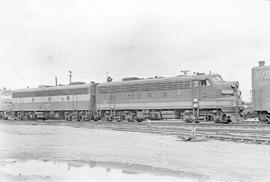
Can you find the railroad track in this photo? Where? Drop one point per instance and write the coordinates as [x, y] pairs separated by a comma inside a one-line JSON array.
[[245, 133], [246, 137], [251, 134], [234, 133]]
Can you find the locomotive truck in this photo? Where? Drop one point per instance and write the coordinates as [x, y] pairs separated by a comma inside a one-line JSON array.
[[261, 91], [192, 98]]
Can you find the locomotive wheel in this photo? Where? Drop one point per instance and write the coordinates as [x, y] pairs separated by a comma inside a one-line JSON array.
[[188, 120], [134, 119], [139, 120], [264, 118]]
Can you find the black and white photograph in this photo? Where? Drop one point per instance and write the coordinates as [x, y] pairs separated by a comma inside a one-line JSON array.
[[134, 90]]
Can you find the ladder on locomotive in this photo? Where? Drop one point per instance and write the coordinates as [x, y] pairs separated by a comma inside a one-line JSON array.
[[195, 108], [195, 96], [75, 105], [113, 113]]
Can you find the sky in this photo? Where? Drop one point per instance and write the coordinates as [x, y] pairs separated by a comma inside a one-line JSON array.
[[41, 39]]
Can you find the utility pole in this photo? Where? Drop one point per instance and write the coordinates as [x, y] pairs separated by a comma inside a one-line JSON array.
[[56, 81], [70, 75], [185, 72]]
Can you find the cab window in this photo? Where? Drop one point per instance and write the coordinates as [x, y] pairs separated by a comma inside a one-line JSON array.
[[205, 83]]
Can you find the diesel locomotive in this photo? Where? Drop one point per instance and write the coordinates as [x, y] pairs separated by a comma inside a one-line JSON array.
[[206, 97], [192, 98], [58, 102]]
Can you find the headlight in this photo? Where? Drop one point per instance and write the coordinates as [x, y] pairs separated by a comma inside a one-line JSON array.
[[227, 92]]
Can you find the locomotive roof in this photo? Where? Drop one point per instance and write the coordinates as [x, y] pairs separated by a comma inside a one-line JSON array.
[[51, 88], [151, 80]]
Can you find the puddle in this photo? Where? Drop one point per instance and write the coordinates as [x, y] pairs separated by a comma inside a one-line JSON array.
[[34, 170]]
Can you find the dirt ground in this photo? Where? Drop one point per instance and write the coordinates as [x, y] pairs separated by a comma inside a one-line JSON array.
[[207, 160]]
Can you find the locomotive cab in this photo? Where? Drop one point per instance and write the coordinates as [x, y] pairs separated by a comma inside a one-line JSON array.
[[215, 99]]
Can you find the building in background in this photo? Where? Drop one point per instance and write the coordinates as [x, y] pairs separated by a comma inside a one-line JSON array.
[[5, 101]]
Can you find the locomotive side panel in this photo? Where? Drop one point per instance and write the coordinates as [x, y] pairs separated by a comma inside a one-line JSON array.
[[57, 103], [171, 99], [62, 100]]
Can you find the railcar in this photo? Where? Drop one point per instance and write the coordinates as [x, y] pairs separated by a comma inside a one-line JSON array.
[[194, 97], [54, 102], [261, 91]]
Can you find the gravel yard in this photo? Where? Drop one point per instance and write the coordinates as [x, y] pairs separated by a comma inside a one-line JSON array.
[[143, 152]]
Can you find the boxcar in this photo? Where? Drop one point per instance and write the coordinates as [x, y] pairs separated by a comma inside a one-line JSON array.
[[261, 91], [56, 102], [206, 97]]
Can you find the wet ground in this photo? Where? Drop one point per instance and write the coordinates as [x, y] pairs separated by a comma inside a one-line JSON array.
[[33, 170], [34, 152]]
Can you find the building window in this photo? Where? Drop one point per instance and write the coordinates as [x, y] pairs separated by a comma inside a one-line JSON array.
[[62, 99], [49, 98], [33, 99], [68, 98], [139, 96], [149, 95]]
